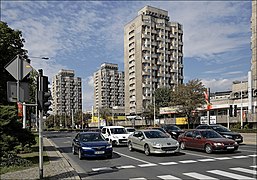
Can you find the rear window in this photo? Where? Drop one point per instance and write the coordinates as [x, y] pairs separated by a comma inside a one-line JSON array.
[[118, 131]]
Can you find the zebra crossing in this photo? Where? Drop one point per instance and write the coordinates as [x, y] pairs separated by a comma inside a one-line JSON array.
[[215, 174]]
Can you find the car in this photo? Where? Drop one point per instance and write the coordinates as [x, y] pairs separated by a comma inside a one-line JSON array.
[[152, 141], [223, 131], [117, 135], [173, 130], [91, 144], [207, 140], [91, 130], [160, 129], [130, 130]]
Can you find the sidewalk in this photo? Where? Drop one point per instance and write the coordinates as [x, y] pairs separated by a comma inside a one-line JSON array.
[[249, 138], [58, 168]]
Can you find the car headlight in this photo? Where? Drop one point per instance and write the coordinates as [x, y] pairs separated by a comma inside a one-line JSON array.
[[228, 136], [156, 144], [174, 133], [218, 144], [235, 143], [109, 146], [86, 148]]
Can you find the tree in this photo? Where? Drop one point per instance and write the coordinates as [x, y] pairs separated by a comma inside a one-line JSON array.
[[11, 44], [189, 97]]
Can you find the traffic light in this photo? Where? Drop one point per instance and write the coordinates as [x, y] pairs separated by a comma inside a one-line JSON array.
[[235, 110], [231, 111], [44, 95]]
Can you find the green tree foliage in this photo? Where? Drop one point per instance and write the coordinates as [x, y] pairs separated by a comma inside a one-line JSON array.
[[11, 44], [189, 97], [12, 133]]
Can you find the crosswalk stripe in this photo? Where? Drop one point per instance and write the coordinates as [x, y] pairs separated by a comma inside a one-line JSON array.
[[205, 160], [254, 166], [250, 171], [165, 177], [198, 176], [230, 175], [168, 163], [137, 178], [223, 158], [188, 161], [101, 169], [147, 165]]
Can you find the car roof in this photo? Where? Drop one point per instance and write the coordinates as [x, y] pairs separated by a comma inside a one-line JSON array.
[[146, 130], [90, 132], [113, 127]]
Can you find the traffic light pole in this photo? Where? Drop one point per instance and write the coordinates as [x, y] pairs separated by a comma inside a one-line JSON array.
[[40, 128]]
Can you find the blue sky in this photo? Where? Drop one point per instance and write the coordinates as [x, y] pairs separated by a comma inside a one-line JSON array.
[[81, 35]]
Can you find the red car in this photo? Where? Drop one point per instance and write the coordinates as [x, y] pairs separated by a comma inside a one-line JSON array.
[[207, 140]]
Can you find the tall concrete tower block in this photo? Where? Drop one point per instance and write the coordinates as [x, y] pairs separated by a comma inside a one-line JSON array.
[[254, 43]]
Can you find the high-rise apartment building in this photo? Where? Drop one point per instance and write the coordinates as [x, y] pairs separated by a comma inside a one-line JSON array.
[[153, 57], [254, 43], [66, 93], [108, 86]]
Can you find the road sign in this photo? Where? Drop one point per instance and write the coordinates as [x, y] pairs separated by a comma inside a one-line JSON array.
[[18, 68], [12, 91]]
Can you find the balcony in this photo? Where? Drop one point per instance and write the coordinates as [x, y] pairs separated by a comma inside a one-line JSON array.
[[145, 48], [146, 36]]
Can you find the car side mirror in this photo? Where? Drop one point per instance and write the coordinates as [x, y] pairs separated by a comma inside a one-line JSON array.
[[107, 139], [198, 137], [141, 138]]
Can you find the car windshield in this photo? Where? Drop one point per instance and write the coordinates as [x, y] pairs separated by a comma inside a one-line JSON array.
[[118, 131], [155, 134], [91, 137], [130, 130], [160, 129], [210, 134], [220, 129], [176, 128]]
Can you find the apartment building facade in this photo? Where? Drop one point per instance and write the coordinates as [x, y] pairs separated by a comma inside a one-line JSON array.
[[153, 57], [66, 93], [108, 87], [254, 43]]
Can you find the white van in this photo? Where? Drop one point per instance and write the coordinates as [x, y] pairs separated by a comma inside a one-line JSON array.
[[117, 135]]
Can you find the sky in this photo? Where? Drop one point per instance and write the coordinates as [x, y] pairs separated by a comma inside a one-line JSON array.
[[81, 35]]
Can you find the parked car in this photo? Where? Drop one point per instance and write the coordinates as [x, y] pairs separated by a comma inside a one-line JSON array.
[[130, 130], [91, 130], [173, 130], [223, 131], [91, 144], [206, 139], [152, 141], [116, 135]]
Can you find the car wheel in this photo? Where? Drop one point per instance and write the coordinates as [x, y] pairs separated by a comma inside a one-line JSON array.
[[80, 155], [208, 148], [130, 146], [183, 145], [73, 150], [147, 150]]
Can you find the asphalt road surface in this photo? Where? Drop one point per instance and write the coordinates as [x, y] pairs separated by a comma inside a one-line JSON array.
[[188, 164]]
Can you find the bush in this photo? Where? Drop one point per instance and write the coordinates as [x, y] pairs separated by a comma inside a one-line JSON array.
[[11, 159]]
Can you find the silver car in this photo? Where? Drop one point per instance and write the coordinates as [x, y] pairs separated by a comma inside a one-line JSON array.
[[152, 141]]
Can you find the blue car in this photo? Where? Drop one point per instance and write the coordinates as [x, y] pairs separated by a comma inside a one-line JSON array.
[[91, 144]]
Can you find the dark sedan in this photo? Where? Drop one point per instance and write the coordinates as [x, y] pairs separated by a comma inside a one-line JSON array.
[[223, 131], [91, 144], [173, 130], [207, 140]]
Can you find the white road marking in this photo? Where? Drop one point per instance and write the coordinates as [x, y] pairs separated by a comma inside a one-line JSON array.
[[133, 158], [137, 178], [147, 165], [168, 163], [239, 157], [253, 155], [250, 171], [223, 158], [187, 161], [205, 160], [101, 169], [199, 155], [165, 177], [126, 167], [254, 166], [230, 175], [198, 176]]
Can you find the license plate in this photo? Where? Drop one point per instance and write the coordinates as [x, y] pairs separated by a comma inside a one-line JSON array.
[[238, 139], [99, 152], [230, 147], [169, 151]]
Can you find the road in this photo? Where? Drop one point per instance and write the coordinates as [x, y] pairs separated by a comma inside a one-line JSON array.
[[135, 165]]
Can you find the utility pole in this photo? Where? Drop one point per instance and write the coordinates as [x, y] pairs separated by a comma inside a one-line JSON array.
[[40, 127]]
